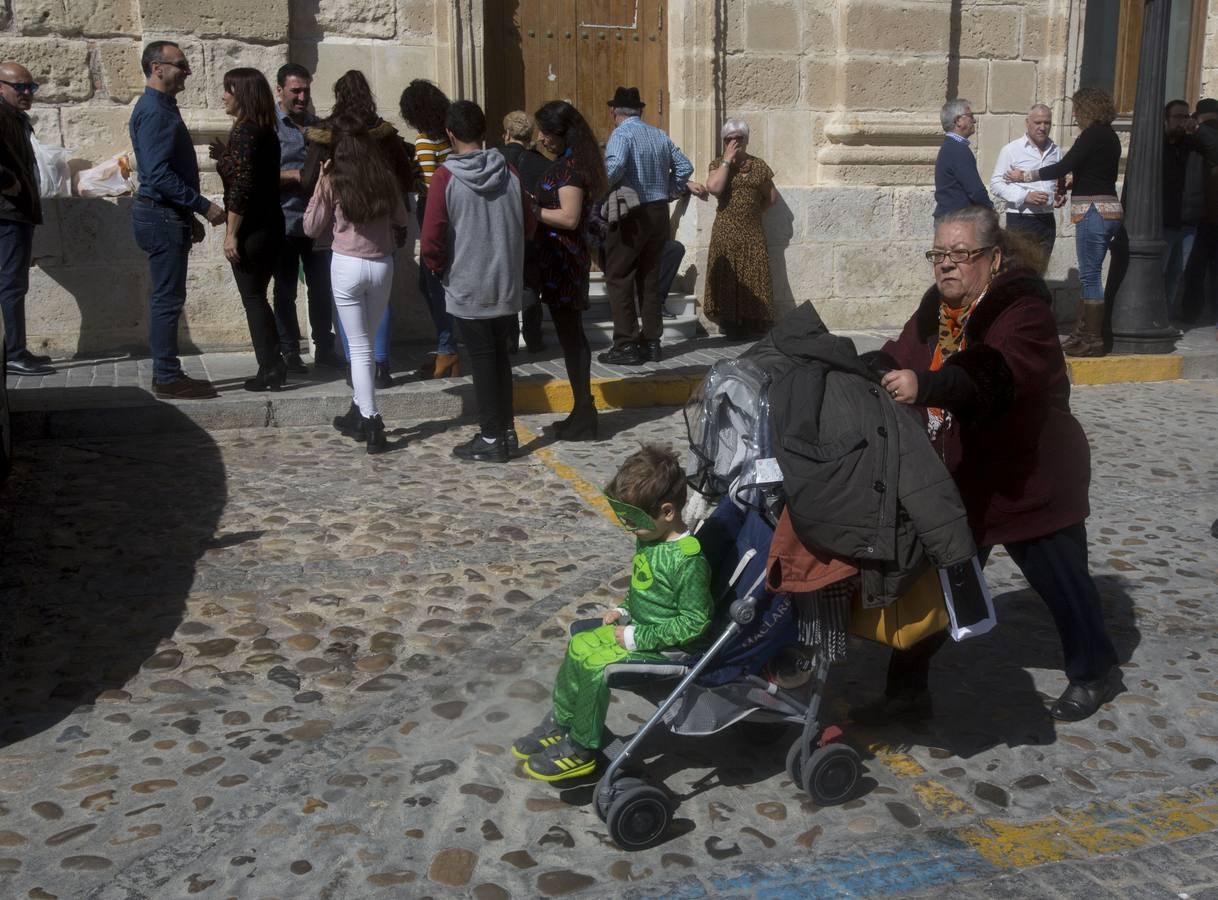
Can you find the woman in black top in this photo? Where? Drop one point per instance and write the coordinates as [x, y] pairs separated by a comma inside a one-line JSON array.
[[573, 182], [249, 167], [1095, 210]]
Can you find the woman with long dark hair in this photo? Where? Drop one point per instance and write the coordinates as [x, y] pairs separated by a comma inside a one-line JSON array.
[[573, 182], [249, 168], [353, 97], [424, 108], [358, 202]]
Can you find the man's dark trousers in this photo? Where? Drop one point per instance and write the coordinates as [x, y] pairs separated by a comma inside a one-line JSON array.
[[295, 253], [16, 252], [1040, 227], [164, 234], [632, 269], [1202, 262]]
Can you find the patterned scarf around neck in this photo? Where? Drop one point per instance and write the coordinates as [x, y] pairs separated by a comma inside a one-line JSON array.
[[951, 341]]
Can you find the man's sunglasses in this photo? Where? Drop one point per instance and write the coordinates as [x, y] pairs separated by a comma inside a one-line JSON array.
[[183, 65], [22, 87]]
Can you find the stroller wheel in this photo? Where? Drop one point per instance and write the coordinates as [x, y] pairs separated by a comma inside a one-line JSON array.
[[639, 816], [831, 774], [793, 763]]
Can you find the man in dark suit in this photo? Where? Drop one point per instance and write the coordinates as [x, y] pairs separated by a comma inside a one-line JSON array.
[[957, 183], [20, 213]]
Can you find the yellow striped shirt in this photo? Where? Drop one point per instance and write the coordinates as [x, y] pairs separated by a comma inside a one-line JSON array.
[[430, 153]]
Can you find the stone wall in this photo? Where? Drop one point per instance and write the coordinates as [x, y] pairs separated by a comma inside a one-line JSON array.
[[843, 97]]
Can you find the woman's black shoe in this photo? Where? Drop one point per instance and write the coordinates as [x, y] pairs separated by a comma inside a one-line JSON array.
[[383, 377], [269, 378], [1081, 699], [350, 424], [374, 428], [581, 426]]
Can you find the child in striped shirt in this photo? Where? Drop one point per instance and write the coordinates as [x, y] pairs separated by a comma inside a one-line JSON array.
[[424, 107]]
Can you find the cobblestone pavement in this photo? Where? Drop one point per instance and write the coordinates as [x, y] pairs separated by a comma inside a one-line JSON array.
[[262, 663]]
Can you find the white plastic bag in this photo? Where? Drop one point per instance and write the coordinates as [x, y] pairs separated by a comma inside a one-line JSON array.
[[109, 179], [970, 605], [54, 177]]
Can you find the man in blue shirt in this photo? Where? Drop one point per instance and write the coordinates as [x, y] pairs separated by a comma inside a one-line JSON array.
[[646, 161], [163, 213], [957, 183], [298, 250]]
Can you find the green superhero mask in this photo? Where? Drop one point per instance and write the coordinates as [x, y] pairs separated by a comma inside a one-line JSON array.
[[631, 517]]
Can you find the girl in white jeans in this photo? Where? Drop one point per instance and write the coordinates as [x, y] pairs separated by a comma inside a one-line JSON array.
[[357, 200]]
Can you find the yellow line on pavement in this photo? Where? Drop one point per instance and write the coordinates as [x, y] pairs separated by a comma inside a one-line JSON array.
[[591, 494], [938, 799], [1096, 829]]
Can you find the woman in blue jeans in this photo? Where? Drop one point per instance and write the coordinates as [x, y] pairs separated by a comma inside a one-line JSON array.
[[1095, 209]]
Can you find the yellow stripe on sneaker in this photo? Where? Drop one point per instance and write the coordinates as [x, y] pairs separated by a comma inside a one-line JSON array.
[[585, 769]]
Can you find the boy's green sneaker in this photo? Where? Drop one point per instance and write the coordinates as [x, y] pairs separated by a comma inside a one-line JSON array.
[[560, 761], [541, 738]]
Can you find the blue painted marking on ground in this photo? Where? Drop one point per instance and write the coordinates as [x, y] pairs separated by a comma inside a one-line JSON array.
[[932, 859]]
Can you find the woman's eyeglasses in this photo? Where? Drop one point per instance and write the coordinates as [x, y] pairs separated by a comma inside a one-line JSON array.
[[956, 256], [22, 87]]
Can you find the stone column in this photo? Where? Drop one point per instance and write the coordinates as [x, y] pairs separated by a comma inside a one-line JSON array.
[[1140, 321]]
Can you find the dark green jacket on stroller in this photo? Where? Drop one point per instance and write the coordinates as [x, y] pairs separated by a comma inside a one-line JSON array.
[[862, 481]]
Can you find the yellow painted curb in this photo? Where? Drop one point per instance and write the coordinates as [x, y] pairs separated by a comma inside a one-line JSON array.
[[530, 395], [551, 395], [1122, 369]]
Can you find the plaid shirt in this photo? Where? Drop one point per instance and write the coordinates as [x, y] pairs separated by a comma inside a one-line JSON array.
[[645, 159]]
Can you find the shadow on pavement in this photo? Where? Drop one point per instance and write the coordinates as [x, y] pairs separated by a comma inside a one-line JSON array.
[[983, 693], [100, 541]]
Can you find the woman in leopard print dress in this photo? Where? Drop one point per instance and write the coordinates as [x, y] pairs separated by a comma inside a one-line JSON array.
[[739, 292]]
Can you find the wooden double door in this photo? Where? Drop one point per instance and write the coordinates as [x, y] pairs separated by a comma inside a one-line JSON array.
[[575, 50]]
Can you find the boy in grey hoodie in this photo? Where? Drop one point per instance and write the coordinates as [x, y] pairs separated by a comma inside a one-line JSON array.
[[477, 220]]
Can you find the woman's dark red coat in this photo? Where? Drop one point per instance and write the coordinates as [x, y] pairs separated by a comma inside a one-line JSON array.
[[1018, 456]]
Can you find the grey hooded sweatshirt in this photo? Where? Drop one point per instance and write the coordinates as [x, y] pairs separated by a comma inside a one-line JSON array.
[[474, 232]]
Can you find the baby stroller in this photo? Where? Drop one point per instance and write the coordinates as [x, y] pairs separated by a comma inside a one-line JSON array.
[[729, 451], [725, 685]]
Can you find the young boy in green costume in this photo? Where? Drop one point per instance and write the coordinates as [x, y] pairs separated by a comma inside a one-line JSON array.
[[668, 606]]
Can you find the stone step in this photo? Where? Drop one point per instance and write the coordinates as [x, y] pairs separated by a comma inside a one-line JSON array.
[[676, 303], [600, 331]]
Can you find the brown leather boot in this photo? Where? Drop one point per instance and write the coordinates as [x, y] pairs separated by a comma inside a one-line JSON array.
[[1072, 342], [1091, 331], [448, 365]]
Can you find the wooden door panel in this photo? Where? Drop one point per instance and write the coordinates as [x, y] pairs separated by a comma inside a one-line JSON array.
[[576, 50]]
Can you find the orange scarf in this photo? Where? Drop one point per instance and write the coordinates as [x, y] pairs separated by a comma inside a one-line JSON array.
[[951, 342]]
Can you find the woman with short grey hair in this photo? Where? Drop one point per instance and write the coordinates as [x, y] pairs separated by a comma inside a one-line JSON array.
[[739, 292]]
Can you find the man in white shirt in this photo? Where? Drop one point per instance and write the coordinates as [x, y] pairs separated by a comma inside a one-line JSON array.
[[1030, 206]]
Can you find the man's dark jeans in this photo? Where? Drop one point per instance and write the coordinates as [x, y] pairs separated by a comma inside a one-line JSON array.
[[164, 234], [487, 341], [16, 251], [1040, 227], [1202, 262], [295, 253]]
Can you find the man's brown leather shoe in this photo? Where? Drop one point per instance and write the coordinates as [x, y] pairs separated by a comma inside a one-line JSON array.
[[184, 388]]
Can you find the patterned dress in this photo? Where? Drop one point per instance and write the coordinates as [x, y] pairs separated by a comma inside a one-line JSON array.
[[563, 256], [739, 292]]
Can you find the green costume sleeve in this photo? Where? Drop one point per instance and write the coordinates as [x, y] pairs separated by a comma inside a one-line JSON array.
[[693, 608]]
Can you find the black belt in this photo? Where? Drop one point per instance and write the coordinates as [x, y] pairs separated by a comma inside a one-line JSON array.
[[148, 201]]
